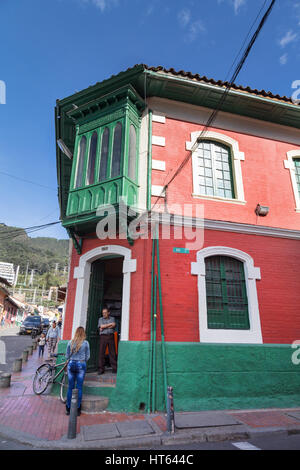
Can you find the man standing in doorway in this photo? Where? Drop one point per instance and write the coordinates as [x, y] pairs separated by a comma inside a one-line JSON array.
[[106, 327]]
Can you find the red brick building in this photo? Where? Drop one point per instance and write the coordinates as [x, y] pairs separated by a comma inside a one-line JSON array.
[[214, 316]]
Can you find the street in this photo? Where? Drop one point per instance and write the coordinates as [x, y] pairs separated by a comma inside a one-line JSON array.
[[274, 442], [11, 346], [279, 441]]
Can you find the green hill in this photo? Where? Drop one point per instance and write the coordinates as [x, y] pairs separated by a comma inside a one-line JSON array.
[[41, 253]]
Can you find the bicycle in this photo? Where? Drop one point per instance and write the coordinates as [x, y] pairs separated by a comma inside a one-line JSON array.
[[46, 374]]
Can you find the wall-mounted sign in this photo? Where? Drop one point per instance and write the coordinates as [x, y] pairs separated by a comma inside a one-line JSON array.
[[180, 250]]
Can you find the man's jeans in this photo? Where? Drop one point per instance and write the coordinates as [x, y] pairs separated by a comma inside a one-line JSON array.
[[76, 373]]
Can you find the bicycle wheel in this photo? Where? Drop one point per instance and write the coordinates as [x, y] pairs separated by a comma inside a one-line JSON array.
[[42, 379], [64, 387]]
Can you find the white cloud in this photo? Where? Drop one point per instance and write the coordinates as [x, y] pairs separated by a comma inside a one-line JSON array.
[[237, 4], [102, 5], [192, 28], [283, 59], [288, 38], [184, 17]]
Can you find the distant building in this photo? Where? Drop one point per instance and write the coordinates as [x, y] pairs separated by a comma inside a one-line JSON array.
[[7, 272]]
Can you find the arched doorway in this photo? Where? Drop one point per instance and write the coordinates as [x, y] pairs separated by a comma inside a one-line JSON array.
[[90, 291]]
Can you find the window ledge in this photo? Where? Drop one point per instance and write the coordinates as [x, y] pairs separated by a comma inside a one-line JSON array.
[[219, 198]]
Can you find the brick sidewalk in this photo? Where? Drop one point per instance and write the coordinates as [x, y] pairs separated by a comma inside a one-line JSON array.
[[43, 417]]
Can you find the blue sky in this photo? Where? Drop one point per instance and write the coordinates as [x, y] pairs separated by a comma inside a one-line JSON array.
[[53, 48]]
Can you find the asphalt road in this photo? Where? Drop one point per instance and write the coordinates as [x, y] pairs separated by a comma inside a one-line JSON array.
[[276, 441], [11, 347]]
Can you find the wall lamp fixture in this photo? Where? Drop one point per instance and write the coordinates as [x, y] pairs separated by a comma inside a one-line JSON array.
[[64, 148], [262, 211]]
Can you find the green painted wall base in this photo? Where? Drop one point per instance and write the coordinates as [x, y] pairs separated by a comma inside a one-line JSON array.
[[207, 377]]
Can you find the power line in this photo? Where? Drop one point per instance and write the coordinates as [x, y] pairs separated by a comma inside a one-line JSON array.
[[214, 114], [10, 234], [26, 181]]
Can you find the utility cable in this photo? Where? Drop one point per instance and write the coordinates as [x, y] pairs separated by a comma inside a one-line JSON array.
[[26, 181], [10, 234], [214, 114]]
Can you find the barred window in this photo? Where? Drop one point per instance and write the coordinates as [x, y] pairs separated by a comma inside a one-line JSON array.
[[226, 295]]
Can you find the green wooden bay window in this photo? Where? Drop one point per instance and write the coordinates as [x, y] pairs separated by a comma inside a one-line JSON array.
[[226, 295], [105, 164]]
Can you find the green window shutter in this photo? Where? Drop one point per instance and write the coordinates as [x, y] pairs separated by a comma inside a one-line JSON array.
[[214, 170], [226, 295]]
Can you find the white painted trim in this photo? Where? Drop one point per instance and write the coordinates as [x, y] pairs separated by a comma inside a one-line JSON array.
[[251, 229], [158, 140], [236, 154], [158, 165], [206, 335], [219, 198], [143, 161], [82, 274], [158, 117], [156, 190], [289, 165]]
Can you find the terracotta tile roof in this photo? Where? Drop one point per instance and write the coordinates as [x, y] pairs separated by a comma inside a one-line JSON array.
[[204, 79], [199, 78]]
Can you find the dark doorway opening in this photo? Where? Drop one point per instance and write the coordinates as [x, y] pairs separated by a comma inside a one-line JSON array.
[[105, 290]]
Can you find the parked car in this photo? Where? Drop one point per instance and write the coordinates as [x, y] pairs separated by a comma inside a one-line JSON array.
[[30, 324], [45, 324]]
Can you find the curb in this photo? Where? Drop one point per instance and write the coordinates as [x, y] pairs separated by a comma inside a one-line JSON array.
[[135, 443]]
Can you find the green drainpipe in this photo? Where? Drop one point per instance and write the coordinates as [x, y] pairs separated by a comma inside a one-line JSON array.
[[163, 346], [151, 323], [154, 347], [149, 160]]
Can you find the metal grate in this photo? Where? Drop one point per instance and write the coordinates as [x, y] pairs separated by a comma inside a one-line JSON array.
[[226, 296]]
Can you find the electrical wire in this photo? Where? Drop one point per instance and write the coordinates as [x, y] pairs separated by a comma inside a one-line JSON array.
[[10, 234], [245, 40], [26, 181], [214, 114]]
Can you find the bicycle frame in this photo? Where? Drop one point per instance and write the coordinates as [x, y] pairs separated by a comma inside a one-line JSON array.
[[55, 366]]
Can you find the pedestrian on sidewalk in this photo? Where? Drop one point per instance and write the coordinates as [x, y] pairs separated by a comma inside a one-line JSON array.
[[41, 343], [78, 353], [53, 335], [106, 327]]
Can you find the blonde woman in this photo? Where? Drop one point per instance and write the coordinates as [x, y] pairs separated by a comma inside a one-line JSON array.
[[78, 352]]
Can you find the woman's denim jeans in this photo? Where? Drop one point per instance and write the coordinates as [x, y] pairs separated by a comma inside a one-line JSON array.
[[76, 373]]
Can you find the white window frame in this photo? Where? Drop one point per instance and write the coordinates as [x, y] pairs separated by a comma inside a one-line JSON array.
[[252, 274], [236, 155], [290, 165]]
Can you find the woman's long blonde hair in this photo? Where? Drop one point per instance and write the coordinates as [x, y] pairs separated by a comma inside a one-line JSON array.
[[78, 339]]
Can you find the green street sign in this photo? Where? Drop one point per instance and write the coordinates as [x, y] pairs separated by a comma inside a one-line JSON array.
[[180, 250]]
